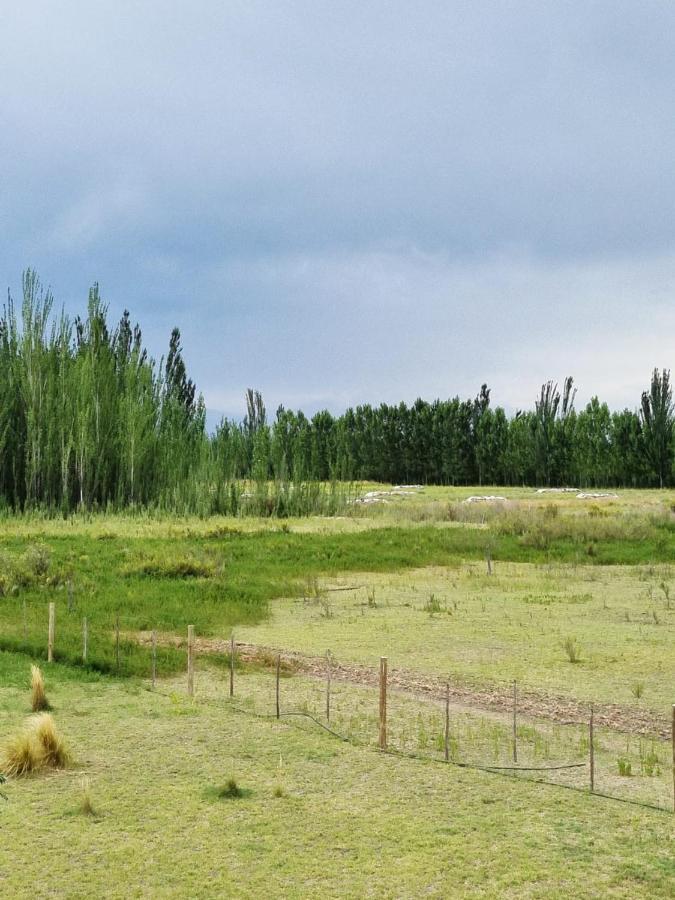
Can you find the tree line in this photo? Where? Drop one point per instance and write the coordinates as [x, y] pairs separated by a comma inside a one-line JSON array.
[[89, 420]]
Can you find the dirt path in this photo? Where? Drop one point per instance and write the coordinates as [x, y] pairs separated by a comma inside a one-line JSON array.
[[497, 698]]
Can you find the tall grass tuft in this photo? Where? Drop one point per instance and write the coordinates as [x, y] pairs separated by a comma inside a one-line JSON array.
[[86, 807], [38, 698], [21, 755], [55, 754]]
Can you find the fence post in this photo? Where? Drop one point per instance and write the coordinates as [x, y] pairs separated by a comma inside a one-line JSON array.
[[190, 660], [447, 721], [154, 658], [383, 703], [50, 636], [277, 685], [328, 686], [515, 722], [591, 752], [85, 639], [117, 642], [232, 665]]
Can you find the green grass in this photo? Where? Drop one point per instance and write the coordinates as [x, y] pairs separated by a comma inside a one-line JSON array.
[[353, 823], [494, 629], [222, 573]]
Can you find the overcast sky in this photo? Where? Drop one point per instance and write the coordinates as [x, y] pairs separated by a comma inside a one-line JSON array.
[[344, 202]]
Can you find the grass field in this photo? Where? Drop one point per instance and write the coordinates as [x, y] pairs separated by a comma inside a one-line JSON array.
[[459, 621], [318, 817], [350, 822]]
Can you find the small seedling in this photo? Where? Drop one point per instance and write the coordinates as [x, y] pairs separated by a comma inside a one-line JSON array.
[[86, 805], [638, 689], [572, 649], [624, 766], [649, 762], [228, 791], [433, 605]]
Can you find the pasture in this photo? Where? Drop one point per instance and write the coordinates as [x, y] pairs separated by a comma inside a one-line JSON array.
[[572, 599]]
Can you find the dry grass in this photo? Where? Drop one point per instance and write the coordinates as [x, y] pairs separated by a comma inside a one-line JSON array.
[[86, 807], [21, 755], [36, 747], [38, 698], [55, 753]]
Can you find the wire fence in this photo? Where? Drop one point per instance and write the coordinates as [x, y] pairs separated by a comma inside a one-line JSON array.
[[370, 709], [622, 765]]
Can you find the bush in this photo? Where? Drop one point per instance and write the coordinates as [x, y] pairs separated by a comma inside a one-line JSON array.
[[37, 559]]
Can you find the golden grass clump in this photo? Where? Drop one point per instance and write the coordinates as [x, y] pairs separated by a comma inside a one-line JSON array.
[[54, 751], [21, 755], [38, 698], [38, 746]]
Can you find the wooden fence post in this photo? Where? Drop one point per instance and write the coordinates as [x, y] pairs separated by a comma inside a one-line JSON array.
[[51, 634], [154, 658], [191, 661], [383, 703], [232, 665], [515, 722], [328, 686], [85, 639], [117, 642], [591, 752], [447, 722], [277, 686]]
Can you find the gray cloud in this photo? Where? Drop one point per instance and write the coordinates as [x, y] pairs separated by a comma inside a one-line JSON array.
[[350, 202]]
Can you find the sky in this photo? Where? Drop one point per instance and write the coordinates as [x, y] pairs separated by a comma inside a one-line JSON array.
[[351, 202]]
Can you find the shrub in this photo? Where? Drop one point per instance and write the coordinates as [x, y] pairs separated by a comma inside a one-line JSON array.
[[185, 566], [38, 698], [37, 559], [572, 649]]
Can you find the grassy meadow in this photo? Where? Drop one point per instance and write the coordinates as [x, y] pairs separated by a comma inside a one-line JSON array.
[[480, 593], [317, 817]]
